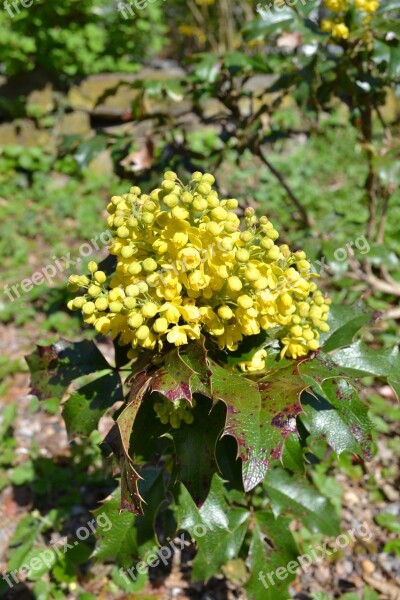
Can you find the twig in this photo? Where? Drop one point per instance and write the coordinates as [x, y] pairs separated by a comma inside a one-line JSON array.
[[307, 221]]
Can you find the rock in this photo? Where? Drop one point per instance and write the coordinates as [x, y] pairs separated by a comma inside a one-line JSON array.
[[110, 95], [29, 135], [102, 164], [75, 123], [8, 135], [43, 99], [367, 566]]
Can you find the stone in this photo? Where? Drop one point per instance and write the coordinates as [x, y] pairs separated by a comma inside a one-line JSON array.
[[102, 164], [75, 123], [8, 135], [41, 98]]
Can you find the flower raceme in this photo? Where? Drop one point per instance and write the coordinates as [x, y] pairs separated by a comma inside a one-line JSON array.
[[338, 27], [187, 265]]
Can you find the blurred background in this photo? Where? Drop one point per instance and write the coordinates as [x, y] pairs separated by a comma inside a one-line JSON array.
[[294, 116]]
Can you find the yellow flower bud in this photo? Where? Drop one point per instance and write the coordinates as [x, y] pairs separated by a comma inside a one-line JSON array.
[[245, 301], [88, 308], [100, 277], [234, 283], [101, 304]]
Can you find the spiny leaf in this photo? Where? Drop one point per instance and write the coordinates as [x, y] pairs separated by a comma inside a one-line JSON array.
[[294, 494], [259, 416], [119, 438], [85, 406], [184, 373], [54, 367], [195, 448], [218, 530], [344, 323], [359, 360], [272, 547]]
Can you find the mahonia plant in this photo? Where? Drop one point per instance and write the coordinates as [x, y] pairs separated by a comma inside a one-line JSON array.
[[231, 371]]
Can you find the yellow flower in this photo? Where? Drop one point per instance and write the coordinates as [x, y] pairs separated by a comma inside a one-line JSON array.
[[340, 30], [257, 363], [185, 267]]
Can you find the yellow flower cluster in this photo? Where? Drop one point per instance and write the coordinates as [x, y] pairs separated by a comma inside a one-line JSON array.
[[187, 264], [338, 28]]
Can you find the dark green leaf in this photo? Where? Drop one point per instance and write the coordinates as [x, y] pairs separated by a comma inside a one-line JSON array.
[[85, 406], [344, 322], [272, 548], [54, 367], [296, 495], [195, 448], [217, 530]]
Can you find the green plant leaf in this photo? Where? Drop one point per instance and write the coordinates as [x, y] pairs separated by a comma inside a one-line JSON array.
[[272, 547], [217, 530], [296, 495], [85, 406], [345, 426], [195, 448], [259, 416], [359, 360], [54, 367], [119, 440], [119, 543], [344, 322]]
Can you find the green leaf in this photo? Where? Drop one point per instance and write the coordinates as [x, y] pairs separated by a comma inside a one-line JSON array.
[[259, 416], [389, 522], [40, 561], [85, 406], [359, 360], [346, 427], [184, 373], [195, 448], [119, 440], [292, 456], [344, 322], [54, 367], [9, 414], [296, 495], [272, 548], [24, 473], [217, 530], [119, 543]]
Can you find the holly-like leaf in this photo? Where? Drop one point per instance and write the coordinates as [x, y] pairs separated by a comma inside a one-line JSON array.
[[85, 406], [195, 448], [294, 494], [217, 529], [271, 560], [185, 372], [54, 367], [359, 360], [259, 416], [324, 422], [119, 543], [119, 438], [344, 323]]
